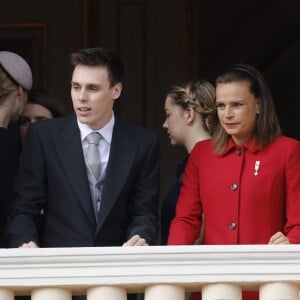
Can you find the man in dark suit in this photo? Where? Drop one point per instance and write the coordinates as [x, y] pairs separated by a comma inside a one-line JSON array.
[[55, 179]]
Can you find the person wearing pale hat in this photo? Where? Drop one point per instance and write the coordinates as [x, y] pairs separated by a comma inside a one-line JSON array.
[[15, 82]]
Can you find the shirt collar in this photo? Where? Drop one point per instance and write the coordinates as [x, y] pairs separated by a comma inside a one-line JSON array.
[[106, 131]]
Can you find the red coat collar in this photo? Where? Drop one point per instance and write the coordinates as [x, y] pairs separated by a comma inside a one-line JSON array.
[[249, 145]]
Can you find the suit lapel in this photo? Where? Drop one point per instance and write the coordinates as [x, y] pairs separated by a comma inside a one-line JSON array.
[[69, 150], [122, 154]]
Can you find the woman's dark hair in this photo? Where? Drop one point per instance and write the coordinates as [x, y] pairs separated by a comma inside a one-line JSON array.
[[267, 127]]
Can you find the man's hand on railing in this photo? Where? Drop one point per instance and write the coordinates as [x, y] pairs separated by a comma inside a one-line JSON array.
[[29, 245], [279, 238], [136, 240]]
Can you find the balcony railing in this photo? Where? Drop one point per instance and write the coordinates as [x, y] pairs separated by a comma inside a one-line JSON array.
[[161, 273]]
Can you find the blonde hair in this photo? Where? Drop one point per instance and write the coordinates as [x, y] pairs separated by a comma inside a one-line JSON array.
[[7, 85], [198, 95]]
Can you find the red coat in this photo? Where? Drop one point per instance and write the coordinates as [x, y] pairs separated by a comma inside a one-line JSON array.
[[239, 206]]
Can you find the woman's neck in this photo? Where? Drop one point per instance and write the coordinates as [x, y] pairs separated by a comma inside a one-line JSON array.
[[194, 138]]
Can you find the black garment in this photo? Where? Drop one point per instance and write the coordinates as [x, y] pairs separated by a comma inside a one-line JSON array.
[[169, 204], [9, 159]]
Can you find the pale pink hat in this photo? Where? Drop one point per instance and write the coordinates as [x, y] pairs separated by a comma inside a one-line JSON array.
[[17, 68]]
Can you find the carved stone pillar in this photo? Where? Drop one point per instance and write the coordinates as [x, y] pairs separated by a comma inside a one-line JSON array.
[[164, 292], [279, 290], [221, 291], [107, 293], [6, 294], [51, 294]]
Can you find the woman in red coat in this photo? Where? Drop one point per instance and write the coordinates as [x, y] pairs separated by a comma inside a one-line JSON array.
[[246, 181], [189, 111]]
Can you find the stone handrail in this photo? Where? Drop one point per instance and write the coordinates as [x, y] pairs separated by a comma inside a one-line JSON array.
[[141, 269]]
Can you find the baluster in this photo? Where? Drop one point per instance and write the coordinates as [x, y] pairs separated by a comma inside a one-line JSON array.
[[279, 291], [6, 294], [164, 292], [51, 294], [106, 293], [221, 291]]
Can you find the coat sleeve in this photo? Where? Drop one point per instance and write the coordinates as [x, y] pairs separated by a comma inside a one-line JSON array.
[[143, 204], [292, 226], [185, 227]]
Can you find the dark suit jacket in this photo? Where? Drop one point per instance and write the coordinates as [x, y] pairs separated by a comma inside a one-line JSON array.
[[52, 176], [9, 159]]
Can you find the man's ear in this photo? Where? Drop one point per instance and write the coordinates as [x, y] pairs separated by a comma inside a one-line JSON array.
[[117, 89]]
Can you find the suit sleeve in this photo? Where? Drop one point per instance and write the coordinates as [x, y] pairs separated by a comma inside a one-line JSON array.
[[185, 227], [29, 194], [143, 205], [292, 227]]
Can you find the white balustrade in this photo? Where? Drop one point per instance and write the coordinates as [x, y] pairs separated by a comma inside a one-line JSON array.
[[160, 272]]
